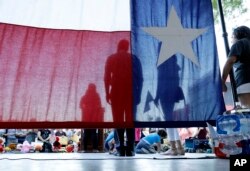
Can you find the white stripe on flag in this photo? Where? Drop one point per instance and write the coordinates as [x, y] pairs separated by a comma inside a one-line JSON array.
[[97, 15]]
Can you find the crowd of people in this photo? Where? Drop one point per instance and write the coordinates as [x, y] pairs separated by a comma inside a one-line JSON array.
[[45, 137], [147, 140]]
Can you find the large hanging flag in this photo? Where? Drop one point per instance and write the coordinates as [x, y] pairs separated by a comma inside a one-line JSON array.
[[67, 64], [175, 42]]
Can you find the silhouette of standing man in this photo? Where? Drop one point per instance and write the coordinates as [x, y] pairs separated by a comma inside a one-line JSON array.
[[118, 87]]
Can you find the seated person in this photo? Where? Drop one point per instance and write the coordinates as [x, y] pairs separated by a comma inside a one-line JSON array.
[[201, 133], [44, 136], [60, 133], [21, 135], [69, 133], [2, 134], [146, 144], [31, 135], [10, 137], [186, 133], [110, 142]]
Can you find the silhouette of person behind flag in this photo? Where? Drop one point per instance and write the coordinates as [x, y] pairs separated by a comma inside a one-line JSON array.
[[118, 83], [168, 94], [92, 110], [121, 83], [168, 90]]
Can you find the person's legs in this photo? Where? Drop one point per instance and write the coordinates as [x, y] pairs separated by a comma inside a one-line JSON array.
[[106, 146], [94, 138], [142, 147], [85, 139], [116, 139], [117, 111], [171, 137], [180, 149], [244, 99], [121, 151], [167, 108], [176, 147], [130, 133]]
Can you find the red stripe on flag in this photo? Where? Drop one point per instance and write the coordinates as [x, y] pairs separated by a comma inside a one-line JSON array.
[[45, 72]]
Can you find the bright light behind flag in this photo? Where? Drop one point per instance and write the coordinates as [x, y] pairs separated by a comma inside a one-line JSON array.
[[98, 15]]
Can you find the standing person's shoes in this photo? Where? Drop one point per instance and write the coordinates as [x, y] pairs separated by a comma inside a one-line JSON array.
[[181, 151], [171, 152], [95, 151], [130, 153], [120, 152]]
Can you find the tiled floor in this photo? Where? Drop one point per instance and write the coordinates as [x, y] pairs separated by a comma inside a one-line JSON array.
[[106, 162]]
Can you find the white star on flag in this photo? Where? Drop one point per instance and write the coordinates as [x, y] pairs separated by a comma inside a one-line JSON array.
[[175, 39]]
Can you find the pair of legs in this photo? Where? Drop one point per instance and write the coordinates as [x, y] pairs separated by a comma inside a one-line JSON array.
[[122, 113], [244, 99], [176, 147], [144, 148], [90, 135], [127, 150], [243, 92]]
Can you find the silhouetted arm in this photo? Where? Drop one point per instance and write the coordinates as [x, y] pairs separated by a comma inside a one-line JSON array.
[[227, 68]]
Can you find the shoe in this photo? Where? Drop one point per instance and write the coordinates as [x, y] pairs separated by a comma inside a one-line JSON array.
[[170, 152], [145, 151], [130, 153], [181, 151], [95, 151], [120, 153], [115, 153], [112, 151]]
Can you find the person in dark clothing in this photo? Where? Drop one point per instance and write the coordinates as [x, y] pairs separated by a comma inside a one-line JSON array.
[[31, 135], [90, 104], [44, 136], [92, 111], [123, 92], [239, 60], [60, 133], [92, 135]]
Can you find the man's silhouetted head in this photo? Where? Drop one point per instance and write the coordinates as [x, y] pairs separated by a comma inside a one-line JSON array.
[[123, 45]]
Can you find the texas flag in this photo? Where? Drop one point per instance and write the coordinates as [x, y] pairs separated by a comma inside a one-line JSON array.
[[115, 63]]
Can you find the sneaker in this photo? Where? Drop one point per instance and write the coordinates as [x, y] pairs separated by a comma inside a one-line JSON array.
[[115, 153], [171, 152], [145, 151], [112, 151]]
